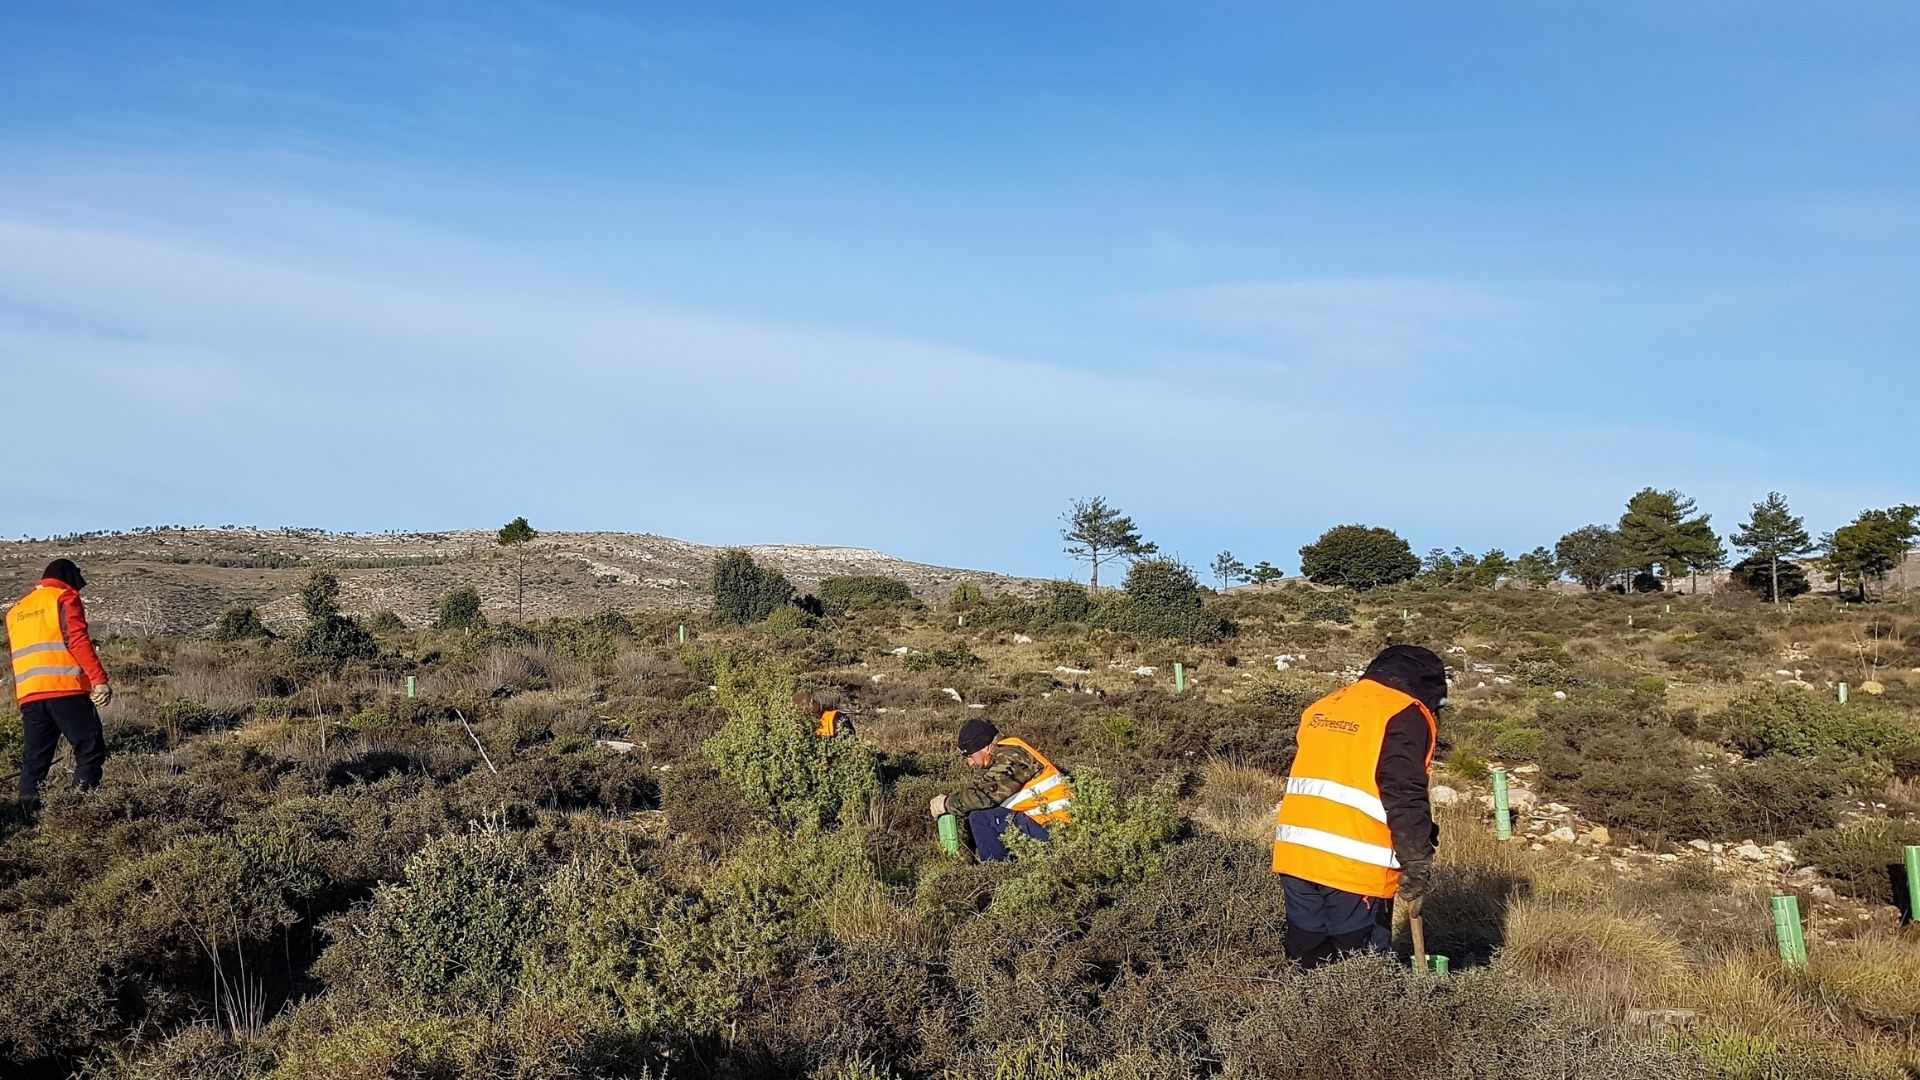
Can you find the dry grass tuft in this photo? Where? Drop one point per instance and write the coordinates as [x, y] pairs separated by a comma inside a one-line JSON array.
[[1237, 801], [1603, 961]]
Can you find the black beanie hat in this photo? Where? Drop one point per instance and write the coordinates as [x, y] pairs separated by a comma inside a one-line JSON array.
[[976, 735], [63, 570]]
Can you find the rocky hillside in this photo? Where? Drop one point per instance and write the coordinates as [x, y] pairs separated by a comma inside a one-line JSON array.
[[178, 580]]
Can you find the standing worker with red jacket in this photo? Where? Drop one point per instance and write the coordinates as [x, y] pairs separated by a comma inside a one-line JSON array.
[[57, 678], [1355, 829]]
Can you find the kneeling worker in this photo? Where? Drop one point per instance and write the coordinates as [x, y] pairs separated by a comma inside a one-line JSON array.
[[1355, 828], [828, 722], [1020, 787]]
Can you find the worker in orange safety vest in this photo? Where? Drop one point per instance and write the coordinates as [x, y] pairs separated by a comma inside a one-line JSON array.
[[57, 679], [1355, 829]]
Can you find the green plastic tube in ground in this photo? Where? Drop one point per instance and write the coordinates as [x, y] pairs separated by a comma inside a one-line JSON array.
[[1437, 964], [1913, 884], [1502, 813], [950, 833], [1786, 930], [410, 679], [1179, 678]]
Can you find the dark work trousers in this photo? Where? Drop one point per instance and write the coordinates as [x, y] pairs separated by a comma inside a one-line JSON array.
[[1324, 924], [988, 825], [45, 721]]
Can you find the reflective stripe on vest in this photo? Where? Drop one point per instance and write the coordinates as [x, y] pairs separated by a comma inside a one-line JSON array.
[[1340, 793], [42, 663], [1047, 797], [1331, 827], [1372, 854]]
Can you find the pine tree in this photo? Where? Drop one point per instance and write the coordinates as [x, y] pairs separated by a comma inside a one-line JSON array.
[[1773, 533], [1228, 569], [1659, 529], [1096, 533], [515, 534]]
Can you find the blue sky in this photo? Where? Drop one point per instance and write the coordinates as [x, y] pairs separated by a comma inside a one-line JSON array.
[[912, 276]]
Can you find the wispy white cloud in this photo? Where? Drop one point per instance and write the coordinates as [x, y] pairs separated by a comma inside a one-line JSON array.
[[224, 381], [1345, 321]]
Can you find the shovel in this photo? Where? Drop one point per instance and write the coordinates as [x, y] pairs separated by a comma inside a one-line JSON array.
[[1419, 927]]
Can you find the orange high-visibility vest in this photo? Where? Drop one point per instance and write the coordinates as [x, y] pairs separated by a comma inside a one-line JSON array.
[[829, 724], [42, 663], [1332, 828], [1047, 796]]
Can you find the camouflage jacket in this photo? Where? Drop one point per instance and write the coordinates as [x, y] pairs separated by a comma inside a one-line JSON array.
[[1010, 771]]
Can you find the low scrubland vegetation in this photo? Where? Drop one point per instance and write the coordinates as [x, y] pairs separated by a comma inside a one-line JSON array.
[[584, 849]]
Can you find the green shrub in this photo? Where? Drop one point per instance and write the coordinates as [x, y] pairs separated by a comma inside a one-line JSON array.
[[1543, 667], [1786, 720], [1160, 599], [844, 594], [385, 621], [769, 752], [1778, 797], [1358, 557], [60, 979], [240, 622], [1325, 607], [788, 618], [1862, 858], [334, 641], [949, 655], [965, 597], [595, 637], [1519, 743], [453, 930], [663, 966], [460, 610], [1110, 845], [746, 592], [1466, 763], [1650, 686]]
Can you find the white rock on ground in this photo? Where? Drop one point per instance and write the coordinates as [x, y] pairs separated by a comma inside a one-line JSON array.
[[951, 692], [1442, 795], [1753, 852], [1145, 669], [1522, 799], [1561, 835], [1700, 845], [1022, 639], [1601, 835]]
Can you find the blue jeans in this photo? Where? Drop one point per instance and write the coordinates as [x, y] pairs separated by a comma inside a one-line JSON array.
[[1324, 923], [987, 825]]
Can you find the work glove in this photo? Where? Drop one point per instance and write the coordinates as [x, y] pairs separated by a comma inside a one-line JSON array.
[[1414, 883], [101, 695], [938, 806], [1414, 906]]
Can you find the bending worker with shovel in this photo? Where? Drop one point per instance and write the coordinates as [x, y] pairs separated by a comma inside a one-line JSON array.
[[1355, 829]]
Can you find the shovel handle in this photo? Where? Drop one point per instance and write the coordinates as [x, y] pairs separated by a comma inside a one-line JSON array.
[[1419, 928]]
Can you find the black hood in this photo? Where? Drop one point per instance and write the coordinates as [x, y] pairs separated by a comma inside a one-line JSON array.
[[1413, 671], [63, 570]]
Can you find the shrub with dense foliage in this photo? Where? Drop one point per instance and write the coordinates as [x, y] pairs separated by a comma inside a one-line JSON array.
[[1359, 557], [769, 751], [746, 592], [459, 610], [843, 594]]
